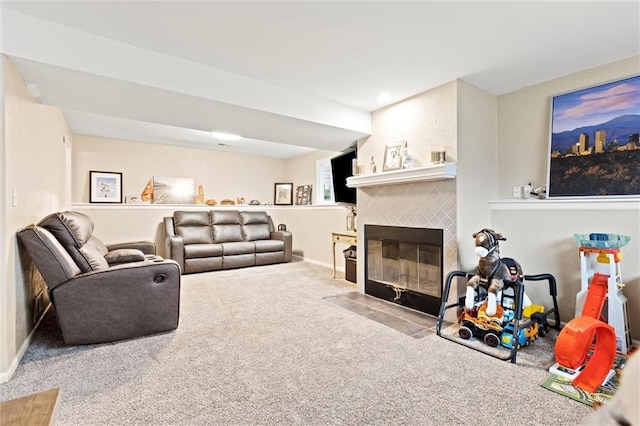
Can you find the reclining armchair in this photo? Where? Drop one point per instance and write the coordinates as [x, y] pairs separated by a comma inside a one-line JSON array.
[[102, 293]]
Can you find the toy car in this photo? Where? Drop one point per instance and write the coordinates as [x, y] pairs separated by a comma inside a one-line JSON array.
[[489, 331], [525, 335]]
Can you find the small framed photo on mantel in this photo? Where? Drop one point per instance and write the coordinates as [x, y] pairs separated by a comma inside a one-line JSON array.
[[393, 157], [105, 187]]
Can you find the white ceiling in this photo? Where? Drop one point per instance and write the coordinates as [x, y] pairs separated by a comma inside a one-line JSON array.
[[291, 77]]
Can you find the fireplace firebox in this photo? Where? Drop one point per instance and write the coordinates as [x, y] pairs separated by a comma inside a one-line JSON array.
[[404, 265]]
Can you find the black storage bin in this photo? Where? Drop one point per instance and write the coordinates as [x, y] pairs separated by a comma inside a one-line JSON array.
[[350, 270]]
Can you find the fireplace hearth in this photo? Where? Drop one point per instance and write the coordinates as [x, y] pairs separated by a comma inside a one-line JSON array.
[[403, 265]]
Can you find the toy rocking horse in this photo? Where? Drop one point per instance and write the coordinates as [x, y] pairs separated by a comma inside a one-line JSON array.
[[492, 271]]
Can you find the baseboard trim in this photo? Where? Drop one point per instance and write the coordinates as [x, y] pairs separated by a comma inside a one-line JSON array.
[[5, 376], [315, 262]]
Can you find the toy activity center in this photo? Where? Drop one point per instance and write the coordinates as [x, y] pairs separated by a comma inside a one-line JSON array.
[[586, 347]]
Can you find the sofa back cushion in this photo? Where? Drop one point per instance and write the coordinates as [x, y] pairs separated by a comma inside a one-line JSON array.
[[74, 232], [255, 226], [52, 260], [193, 227], [226, 226]]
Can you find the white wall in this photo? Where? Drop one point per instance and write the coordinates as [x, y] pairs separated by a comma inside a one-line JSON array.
[[34, 166]]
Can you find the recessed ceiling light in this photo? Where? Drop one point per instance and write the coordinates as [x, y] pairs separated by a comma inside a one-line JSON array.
[[34, 90], [383, 96], [225, 136]]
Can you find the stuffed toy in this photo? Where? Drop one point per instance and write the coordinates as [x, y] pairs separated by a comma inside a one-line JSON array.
[[492, 271]]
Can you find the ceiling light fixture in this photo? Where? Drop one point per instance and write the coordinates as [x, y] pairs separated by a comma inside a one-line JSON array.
[[34, 90], [225, 136], [383, 96]]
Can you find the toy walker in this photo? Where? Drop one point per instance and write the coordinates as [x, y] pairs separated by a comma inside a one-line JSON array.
[[601, 282]]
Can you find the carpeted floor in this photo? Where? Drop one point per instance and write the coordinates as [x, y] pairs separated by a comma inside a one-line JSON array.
[[268, 345]]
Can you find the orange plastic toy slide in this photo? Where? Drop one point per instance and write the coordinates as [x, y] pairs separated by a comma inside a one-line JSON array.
[[576, 338]]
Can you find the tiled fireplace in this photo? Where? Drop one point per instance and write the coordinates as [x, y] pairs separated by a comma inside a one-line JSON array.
[[425, 205]]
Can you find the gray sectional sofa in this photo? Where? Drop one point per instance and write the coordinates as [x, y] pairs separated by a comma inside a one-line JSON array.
[[203, 241]]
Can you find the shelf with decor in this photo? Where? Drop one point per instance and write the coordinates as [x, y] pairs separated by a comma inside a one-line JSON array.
[[417, 174]]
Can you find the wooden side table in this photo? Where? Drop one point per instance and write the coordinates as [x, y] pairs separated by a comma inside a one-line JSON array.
[[345, 237]]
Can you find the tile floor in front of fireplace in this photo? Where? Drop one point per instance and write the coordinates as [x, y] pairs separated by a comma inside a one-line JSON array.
[[408, 321]]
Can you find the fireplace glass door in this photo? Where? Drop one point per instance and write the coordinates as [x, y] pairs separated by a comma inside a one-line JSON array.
[[405, 267]]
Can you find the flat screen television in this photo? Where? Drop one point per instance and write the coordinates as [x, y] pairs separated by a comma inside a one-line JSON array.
[[341, 169]]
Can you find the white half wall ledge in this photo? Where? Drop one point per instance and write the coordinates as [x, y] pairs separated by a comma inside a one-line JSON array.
[[596, 204], [394, 177]]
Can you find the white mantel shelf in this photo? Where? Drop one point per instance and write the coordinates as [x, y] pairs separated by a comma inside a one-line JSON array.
[[394, 177]]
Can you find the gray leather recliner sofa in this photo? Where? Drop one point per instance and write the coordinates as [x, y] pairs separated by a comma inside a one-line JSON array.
[[102, 293], [203, 241]]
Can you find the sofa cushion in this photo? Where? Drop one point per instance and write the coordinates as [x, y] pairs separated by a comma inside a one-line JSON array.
[[227, 233], [193, 227], [118, 256], [193, 251], [220, 217], [195, 234], [266, 246], [99, 245], [226, 226], [74, 230], [255, 226], [235, 248]]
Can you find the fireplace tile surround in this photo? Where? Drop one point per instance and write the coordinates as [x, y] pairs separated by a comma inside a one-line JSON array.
[[420, 205]]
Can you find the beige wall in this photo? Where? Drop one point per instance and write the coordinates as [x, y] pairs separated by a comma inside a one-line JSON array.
[[477, 166], [33, 133], [523, 123], [301, 170], [426, 121], [542, 239], [222, 174]]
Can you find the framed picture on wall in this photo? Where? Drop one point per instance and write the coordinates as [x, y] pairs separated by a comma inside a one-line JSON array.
[[105, 187], [283, 194], [594, 146]]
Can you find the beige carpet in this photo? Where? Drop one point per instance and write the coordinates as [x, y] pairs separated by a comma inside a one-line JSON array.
[[263, 346]]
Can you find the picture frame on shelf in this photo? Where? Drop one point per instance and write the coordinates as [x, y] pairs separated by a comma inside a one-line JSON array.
[[105, 187], [393, 157], [283, 194], [173, 190], [303, 195], [594, 146]]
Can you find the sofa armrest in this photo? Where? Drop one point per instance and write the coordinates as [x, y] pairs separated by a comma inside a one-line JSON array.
[[174, 249], [146, 247], [287, 237], [122, 302]]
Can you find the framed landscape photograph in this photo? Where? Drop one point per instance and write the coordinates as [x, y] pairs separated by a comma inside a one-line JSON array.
[[283, 194], [594, 146], [105, 187]]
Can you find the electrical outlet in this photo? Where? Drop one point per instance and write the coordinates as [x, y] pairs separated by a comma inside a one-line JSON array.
[[517, 192]]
